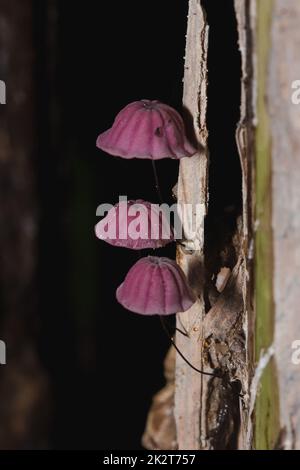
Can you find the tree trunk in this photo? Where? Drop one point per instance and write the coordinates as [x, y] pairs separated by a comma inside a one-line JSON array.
[[245, 331], [277, 212], [209, 411]]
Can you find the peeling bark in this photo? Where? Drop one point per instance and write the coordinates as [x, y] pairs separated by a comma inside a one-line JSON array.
[[210, 413], [192, 188], [247, 333], [245, 143]]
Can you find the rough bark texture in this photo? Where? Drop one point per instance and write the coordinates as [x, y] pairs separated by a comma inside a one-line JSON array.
[[23, 383], [210, 414], [192, 189], [284, 68], [247, 334], [245, 143], [273, 395]]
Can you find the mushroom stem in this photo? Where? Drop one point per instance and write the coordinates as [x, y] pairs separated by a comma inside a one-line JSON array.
[[162, 320], [222, 377], [157, 186]]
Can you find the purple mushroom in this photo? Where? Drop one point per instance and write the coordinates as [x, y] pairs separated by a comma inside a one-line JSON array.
[[136, 225], [147, 129], [155, 286]]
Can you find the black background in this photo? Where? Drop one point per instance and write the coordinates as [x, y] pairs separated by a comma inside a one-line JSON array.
[[105, 362]]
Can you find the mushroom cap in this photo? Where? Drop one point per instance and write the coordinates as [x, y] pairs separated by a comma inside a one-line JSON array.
[[147, 129], [155, 286], [136, 225]]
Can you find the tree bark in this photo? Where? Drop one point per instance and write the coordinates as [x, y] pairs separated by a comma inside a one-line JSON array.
[[210, 413], [250, 328], [278, 239], [192, 189]]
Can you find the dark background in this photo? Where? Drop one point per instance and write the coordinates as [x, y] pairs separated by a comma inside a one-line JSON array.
[[90, 59], [105, 362]]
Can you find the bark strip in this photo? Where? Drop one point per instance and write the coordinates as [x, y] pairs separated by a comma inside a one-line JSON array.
[[192, 189]]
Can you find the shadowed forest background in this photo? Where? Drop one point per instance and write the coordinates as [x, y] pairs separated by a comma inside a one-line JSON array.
[[100, 364], [81, 371]]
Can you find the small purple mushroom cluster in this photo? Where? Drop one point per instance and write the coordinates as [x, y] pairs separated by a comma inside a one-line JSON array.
[[154, 285]]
